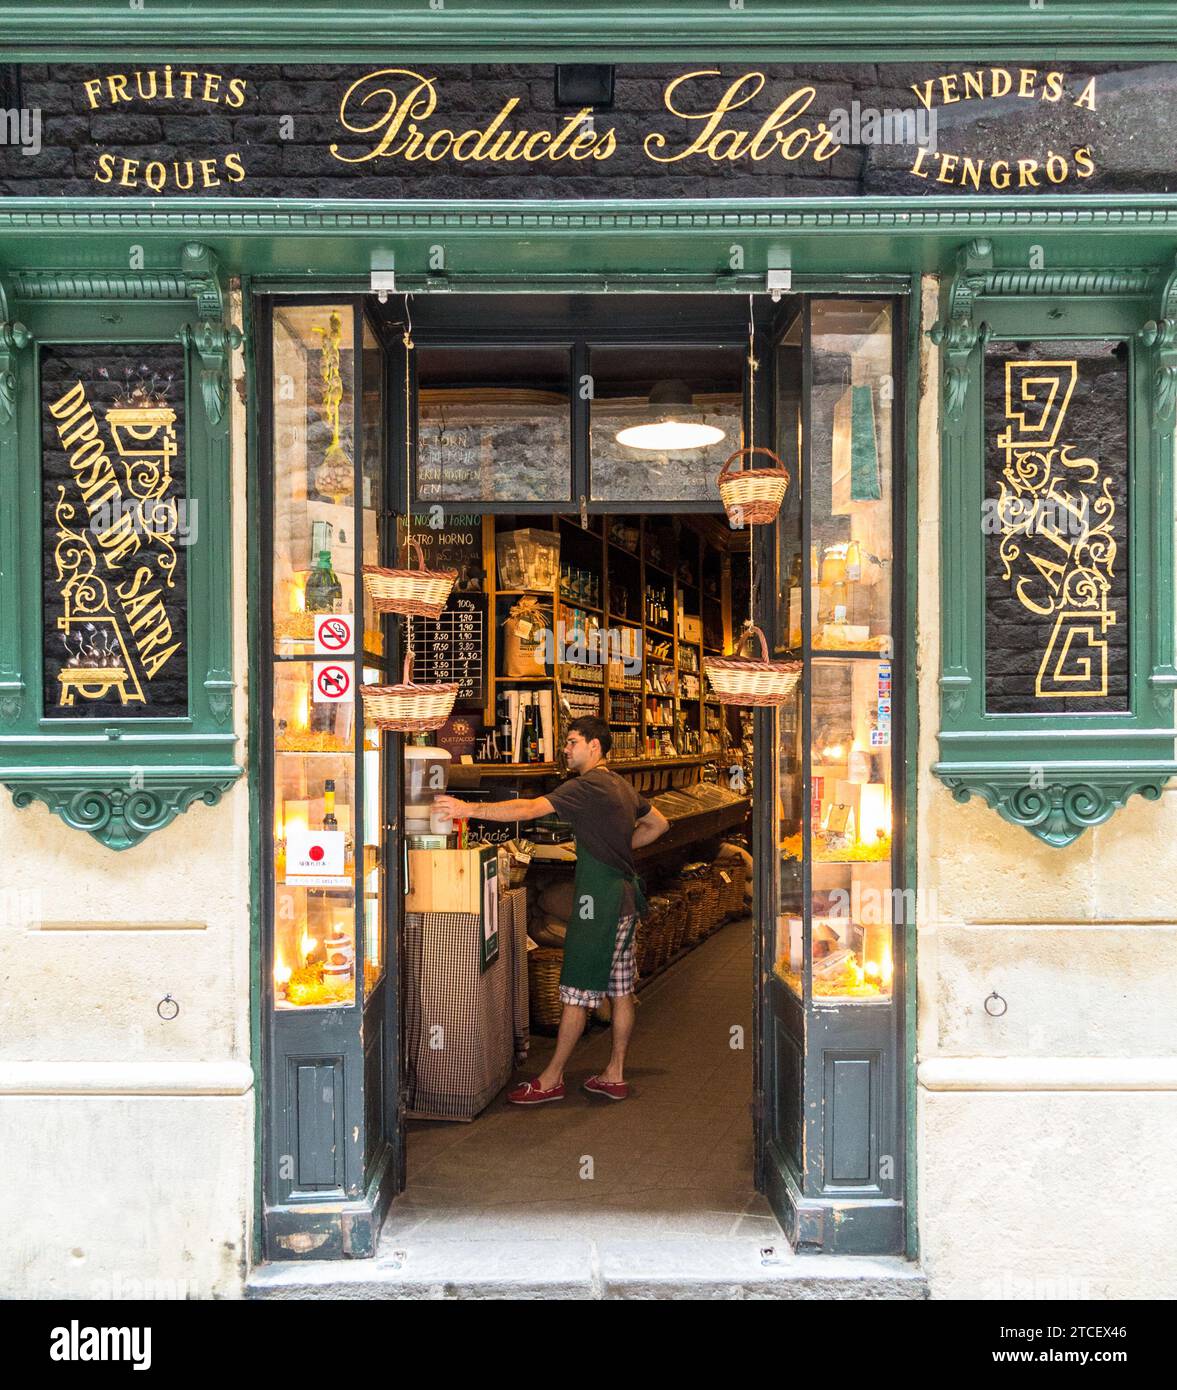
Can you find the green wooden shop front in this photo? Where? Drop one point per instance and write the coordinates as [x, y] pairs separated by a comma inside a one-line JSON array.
[[1057, 286]]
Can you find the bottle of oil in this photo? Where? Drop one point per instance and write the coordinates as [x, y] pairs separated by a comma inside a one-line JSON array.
[[324, 593]]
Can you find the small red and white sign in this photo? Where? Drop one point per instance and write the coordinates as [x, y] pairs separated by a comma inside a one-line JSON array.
[[332, 683], [334, 634], [316, 857]]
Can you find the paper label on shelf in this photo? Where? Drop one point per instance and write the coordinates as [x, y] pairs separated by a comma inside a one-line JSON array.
[[315, 858], [332, 683], [334, 634]]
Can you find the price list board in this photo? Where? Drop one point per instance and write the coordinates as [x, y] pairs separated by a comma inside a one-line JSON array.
[[453, 647]]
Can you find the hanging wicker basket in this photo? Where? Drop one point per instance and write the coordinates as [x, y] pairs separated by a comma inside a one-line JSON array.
[[752, 496], [420, 593], [408, 708], [744, 681]]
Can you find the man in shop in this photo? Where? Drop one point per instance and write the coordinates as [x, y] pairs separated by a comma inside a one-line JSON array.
[[610, 819]]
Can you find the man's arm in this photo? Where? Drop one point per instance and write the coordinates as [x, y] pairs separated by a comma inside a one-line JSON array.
[[523, 809], [648, 829]]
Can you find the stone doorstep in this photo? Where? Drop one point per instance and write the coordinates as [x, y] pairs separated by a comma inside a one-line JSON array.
[[677, 1268]]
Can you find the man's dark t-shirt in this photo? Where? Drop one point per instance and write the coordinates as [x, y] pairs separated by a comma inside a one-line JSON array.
[[602, 808]]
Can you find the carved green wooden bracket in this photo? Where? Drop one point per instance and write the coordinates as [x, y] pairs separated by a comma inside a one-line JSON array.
[[117, 778], [1054, 774]]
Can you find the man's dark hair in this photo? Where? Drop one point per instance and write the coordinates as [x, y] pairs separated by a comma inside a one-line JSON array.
[[589, 727]]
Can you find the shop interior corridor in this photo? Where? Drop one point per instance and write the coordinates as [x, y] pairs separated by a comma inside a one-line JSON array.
[[675, 1158]]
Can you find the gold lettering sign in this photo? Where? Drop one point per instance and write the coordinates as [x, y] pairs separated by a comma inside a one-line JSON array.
[[1056, 514], [1045, 170], [390, 110], [114, 563], [152, 87]]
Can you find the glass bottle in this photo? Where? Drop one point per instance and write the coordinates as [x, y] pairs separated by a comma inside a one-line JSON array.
[[329, 821], [324, 593]]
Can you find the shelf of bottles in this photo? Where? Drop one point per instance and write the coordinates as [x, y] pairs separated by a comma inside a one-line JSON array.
[[327, 779], [623, 653], [834, 774]]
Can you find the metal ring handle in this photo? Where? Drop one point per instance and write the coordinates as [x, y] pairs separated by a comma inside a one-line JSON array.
[[996, 1013], [167, 1008]]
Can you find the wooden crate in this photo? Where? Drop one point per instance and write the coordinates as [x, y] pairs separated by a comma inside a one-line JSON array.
[[447, 880]]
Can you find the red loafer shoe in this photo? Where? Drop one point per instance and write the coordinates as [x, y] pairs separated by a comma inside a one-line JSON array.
[[529, 1093], [611, 1090]]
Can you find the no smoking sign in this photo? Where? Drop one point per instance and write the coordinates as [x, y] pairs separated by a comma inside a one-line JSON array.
[[333, 683], [334, 634]]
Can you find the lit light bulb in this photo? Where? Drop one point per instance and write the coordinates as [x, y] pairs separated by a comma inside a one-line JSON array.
[[669, 436]]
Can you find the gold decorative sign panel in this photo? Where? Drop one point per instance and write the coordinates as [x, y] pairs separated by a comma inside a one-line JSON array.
[[1056, 527], [115, 524]]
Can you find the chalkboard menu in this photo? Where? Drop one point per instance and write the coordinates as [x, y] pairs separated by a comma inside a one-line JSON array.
[[456, 544], [115, 524], [453, 647], [1056, 527]]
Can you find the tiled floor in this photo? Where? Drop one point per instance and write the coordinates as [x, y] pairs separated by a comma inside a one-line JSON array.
[[675, 1159]]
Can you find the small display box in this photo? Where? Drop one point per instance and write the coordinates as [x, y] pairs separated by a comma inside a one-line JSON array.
[[528, 559]]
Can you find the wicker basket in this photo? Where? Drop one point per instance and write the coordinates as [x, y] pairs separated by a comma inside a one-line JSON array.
[[408, 708], [731, 895], [657, 927], [745, 681], [421, 593], [676, 919], [646, 938], [695, 891], [712, 912], [544, 965], [753, 496]]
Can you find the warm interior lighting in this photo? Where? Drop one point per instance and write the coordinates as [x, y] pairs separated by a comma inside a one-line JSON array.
[[671, 429], [888, 968], [297, 818], [282, 973], [307, 945], [873, 821]]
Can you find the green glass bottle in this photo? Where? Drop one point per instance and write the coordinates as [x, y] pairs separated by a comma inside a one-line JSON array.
[[324, 593]]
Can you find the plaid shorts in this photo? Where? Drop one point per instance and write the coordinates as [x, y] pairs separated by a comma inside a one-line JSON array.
[[622, 974]]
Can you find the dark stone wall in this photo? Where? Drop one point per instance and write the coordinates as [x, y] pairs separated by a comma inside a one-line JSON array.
[[1131, 136]]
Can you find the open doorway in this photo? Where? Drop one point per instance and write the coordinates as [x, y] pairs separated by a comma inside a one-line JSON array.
[[607, 607]]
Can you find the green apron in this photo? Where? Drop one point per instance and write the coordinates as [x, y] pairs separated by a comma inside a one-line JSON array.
[[590, 942]]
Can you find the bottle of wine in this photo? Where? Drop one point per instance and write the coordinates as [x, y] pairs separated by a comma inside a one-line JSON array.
[[329, 821], [532, 736], [505, 739], [324, 593]]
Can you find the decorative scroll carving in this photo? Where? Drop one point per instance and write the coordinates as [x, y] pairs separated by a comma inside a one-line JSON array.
[[120, 817], [1059, 810]]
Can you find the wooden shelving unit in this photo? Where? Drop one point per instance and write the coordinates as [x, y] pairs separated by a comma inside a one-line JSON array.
[[701, 588]]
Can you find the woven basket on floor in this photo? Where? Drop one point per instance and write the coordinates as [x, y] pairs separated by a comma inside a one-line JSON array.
[[408, 708], [737, 680], [642, 941], [712, 915], [656, 949], [753, 496], [676, 918], [421, 593], [731, 900], [544, 965], [695, 890]]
